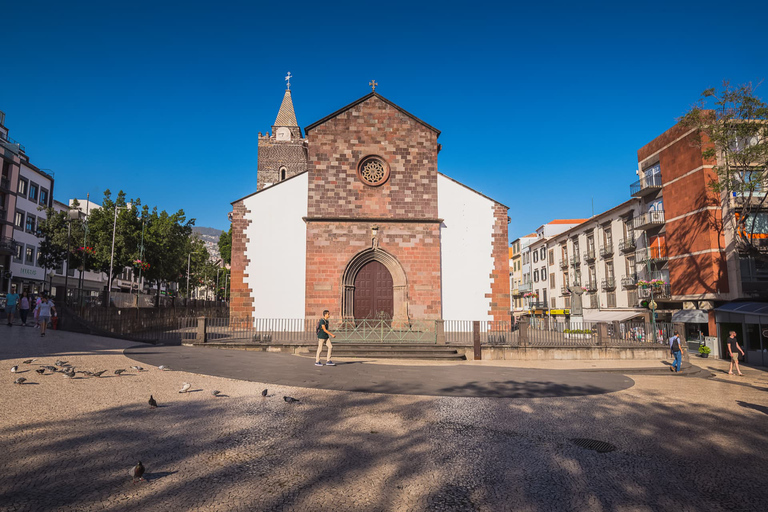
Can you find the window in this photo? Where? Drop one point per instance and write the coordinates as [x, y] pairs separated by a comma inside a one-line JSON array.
[[30, 223], [33, 189], [551, 256], [17, 255], [535, 276], [543, 253], [553, 303], [551, 280], [609, 270], [608, 238], [567, 301], [18, 221], [543, 273], [535, 256], [43, 196], [23, 186], [282, 173], [30, 255], [611, 298]]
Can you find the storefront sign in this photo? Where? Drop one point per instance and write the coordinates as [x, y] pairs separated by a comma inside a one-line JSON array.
[[560, 311]]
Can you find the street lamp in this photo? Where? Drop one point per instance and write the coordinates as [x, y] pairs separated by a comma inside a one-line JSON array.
[[71, 215], [112, 257]]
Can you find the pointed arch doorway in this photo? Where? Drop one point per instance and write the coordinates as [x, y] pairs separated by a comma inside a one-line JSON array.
[[374, 293], [387, 288]]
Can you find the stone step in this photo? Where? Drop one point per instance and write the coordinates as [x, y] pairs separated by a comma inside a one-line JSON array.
[[390, 351]]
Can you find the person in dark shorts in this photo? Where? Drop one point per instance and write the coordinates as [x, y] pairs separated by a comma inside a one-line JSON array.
[[323, 336], [733, 351]]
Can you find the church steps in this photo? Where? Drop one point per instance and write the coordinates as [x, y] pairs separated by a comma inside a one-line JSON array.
[[392, 351]]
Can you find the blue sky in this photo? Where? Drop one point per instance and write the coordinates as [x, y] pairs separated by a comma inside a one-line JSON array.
[[543, 106]]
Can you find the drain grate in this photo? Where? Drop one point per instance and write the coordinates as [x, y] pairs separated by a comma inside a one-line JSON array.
[[593, 444]]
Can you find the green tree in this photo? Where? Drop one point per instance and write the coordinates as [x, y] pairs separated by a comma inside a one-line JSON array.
[[166, 243], [225, 246], [57, 232], [732, 127]]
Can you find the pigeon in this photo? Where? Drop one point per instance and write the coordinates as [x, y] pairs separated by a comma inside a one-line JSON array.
[[185, 387], [98, 374], [137, 368], [118, 372], [20, 380], [264, 393], [85, 372], [41, 371], [137, 472], [51, 368], [29, 361], [290, 399], [60, 363], [152, 402], [215, 392], [163, 367], [14, 369], [69, 375]]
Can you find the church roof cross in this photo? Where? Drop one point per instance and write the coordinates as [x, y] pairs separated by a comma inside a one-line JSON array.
[[373, 85], [288, 80]]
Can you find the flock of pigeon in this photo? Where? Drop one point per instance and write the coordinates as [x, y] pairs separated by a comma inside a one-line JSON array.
[[69, 372]]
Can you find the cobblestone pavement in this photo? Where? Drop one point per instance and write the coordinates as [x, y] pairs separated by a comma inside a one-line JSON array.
[[681, 443]]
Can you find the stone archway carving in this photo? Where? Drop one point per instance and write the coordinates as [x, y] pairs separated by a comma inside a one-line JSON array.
[[399, 282]]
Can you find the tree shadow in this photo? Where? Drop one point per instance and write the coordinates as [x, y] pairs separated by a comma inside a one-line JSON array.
[[761, 408]]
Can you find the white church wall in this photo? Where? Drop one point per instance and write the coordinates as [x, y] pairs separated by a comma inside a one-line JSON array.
[[277, 277], [466, 251]]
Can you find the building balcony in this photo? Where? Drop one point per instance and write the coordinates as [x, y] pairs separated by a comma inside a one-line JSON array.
[[564, 290], [591, 285], [608, 284], [575, 259], [646, 186], [564, 263], [538, 305], [589, 256], [655, 292], [606, 252], [629, 281], [516, 292], [649, 220], [627, 244], [7, 246], [525, 287]]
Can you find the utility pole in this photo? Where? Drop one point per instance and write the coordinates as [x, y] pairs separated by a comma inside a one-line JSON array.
[[189, 261], [112, 257], [141, 259]]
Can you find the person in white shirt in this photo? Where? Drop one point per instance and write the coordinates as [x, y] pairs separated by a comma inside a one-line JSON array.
[[45, 309]]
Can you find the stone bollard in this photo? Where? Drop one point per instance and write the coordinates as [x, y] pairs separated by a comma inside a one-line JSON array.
[[602, 333], [440, 332], [478, 353], [200, 335], [523, 326]]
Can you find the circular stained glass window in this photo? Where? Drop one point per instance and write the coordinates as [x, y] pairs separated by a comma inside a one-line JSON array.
[[373, 171]]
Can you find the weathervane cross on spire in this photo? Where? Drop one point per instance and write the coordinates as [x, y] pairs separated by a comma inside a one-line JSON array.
[[373, 85], [288, 80]]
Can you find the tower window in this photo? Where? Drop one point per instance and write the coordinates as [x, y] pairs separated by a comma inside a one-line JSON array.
[[282, 173]]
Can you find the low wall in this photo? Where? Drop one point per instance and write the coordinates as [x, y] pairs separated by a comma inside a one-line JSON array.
[[496, 353]]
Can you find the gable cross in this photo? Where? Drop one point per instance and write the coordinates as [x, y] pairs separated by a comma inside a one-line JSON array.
[[373, 85], [288, 80]]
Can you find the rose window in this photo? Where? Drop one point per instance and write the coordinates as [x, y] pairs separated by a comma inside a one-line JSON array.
[[373, 171]]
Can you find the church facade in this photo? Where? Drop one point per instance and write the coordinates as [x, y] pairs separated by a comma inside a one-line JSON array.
[[353, 216]]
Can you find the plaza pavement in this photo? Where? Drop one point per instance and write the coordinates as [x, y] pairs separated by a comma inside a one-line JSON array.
[[67, 444]]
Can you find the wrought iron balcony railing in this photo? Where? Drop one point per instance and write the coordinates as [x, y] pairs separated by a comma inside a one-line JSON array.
[[645, 186], [538, 305], [657, 292], [7, 245], [649, 220], [591, 285], [608, 284], [564, 290], [627, 244], [606, 251], [564, 263], [5, 184], [575, 259], [589, 256], [629, 281], [525, 287]]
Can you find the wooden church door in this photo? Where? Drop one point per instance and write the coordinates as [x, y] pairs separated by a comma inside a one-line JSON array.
[[373, 291]]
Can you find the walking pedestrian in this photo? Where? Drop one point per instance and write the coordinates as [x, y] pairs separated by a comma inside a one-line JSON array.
[[11, 304], [46, 308], [24, 308], [323, 336], [733, 350], [676, 349], [36, 312]]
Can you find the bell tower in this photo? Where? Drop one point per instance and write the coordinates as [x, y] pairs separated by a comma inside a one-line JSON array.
[[282, 153]]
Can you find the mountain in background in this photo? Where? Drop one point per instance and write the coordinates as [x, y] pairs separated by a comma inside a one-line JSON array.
[[210, 236]]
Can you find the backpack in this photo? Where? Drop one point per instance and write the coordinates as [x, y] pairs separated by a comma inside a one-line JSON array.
[[318, 329], [675, 344]]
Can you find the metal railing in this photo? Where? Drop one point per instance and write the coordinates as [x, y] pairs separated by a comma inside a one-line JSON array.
[[649, 219], [627, 244], [646, 185], [564, 263], [591, 285], [575, 259], [608, 284], [606, 251], [545, 333], [564, 290], [525, 287], [589, 256], [629, 281], [659, 292]]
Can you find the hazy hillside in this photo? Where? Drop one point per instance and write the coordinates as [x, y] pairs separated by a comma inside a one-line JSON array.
[[211, 238]]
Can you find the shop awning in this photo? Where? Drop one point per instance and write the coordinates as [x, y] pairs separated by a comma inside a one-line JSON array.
[[610, 315], [690, 316], [749, 312]]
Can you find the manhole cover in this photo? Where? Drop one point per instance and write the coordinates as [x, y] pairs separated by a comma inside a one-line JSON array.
[[593, 444]]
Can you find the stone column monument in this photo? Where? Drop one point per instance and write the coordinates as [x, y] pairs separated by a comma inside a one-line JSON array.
[[577, 311]]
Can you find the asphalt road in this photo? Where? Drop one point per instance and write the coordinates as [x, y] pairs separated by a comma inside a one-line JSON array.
[[436, 380]]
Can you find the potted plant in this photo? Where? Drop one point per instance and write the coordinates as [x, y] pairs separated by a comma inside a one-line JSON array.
[[704, 351], [577, 334]]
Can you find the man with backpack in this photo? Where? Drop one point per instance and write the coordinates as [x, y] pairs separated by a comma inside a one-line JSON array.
[[323, 336], [676, 349]]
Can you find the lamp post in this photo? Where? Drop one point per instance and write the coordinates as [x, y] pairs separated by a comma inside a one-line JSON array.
[[112, 256], [71, 215], [651, 304]]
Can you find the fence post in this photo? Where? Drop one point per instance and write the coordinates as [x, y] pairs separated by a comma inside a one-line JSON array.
[[440, 332], [602, 333], [476, 340], [522, 326], [200, 336]]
